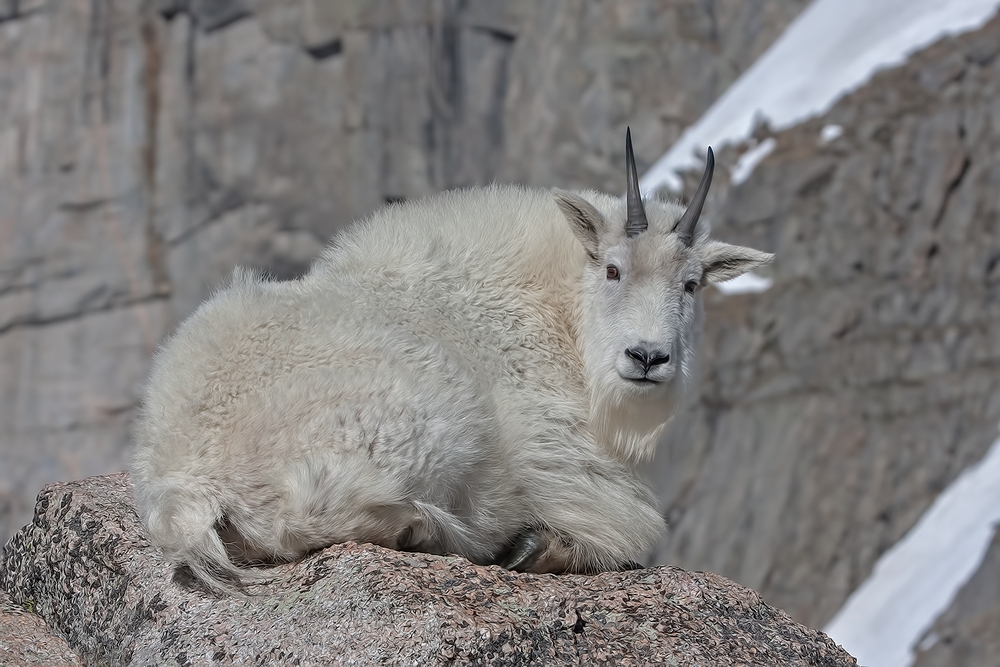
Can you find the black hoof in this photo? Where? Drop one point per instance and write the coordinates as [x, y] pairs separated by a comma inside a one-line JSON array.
[[524, 550]]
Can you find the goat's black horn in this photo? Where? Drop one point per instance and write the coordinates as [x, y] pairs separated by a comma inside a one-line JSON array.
[[685, 226], [636, 222]]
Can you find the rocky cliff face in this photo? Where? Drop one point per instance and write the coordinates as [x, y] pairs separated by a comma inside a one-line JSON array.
[[837, 405], [118, 602], [148, 147]]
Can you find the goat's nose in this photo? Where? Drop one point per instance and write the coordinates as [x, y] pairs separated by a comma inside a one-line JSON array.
[[647, 358]]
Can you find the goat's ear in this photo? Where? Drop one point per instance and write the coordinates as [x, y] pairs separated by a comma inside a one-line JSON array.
[[721, 261], [586, 221]]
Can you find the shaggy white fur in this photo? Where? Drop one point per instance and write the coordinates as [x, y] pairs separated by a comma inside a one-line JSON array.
[[450, 374]]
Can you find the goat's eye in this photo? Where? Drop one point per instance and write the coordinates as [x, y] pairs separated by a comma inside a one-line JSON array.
[[690, 286], [613, 272]]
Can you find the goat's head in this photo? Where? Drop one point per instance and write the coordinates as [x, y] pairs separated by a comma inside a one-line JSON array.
[[648, 262]]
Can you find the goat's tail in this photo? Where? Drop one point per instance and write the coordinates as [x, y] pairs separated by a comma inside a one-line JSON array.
[[184, 522]]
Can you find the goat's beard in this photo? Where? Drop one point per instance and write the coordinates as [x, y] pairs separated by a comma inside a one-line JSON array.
[[629, 422]]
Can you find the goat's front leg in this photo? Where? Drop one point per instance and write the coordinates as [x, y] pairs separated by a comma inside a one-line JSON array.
[[525, 550], [594, 516], [537, 550]]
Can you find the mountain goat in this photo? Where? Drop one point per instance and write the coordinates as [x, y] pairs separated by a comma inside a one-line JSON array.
[[475, 373]]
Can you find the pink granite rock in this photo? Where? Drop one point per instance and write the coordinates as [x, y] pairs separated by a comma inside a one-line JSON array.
[[24, 639], [85, 565]]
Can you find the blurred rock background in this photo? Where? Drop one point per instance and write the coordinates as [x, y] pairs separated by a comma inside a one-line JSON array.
[[837, 405], [148, 147]]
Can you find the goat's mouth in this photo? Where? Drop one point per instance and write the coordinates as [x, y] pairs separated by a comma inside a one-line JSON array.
[[641, 380]]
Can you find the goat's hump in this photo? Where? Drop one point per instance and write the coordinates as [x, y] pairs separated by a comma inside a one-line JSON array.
[[495, 229]]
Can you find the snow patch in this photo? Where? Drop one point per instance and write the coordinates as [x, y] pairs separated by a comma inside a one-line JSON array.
[[829, 49], [745, 165], [746, 284], [829, 133], [928, 642], [916, 580]]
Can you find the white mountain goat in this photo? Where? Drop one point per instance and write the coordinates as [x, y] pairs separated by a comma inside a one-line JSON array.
[[475, 373]]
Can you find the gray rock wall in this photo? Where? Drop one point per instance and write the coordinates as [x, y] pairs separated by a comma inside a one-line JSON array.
[[837, 405], [148, 147]]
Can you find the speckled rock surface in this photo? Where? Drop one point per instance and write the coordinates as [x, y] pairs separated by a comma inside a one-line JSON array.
[[26, 641], [86, 567]]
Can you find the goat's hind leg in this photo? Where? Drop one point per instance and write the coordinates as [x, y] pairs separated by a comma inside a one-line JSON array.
[[315, 502]]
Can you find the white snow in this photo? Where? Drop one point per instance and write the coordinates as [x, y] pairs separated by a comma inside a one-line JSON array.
[[745, 165], [918, 577], [829, 133], [831, 48], [747, 283]]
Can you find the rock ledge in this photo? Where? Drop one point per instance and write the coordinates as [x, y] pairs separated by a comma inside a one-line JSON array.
[[86, 567]]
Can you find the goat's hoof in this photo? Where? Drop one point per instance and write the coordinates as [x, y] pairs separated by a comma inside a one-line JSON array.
[[525, 550], [405, 541]]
